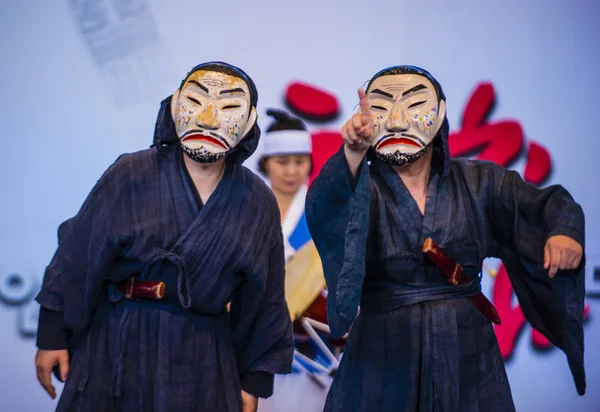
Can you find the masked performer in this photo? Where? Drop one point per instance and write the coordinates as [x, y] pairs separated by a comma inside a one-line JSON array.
[[138, 288], [377, 213]]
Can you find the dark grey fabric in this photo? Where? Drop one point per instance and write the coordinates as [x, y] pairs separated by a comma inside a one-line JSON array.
[[186, 353], [51, 334], [420, 346]]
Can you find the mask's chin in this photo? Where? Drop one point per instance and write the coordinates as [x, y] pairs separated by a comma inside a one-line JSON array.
[[201, 155], [399, 158]]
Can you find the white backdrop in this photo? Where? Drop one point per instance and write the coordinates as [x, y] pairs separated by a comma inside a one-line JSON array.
[[82, 81]]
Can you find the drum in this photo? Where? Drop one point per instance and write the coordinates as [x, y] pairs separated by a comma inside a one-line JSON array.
[[316, 351], [304, 280]]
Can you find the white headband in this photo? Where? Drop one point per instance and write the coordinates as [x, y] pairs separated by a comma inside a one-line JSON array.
[[287, 142]]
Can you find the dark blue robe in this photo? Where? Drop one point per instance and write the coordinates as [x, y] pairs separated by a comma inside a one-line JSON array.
[[418, 344], [185, 352]]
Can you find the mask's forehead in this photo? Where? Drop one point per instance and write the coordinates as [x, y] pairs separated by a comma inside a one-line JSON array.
[[215, 82], [397, 84]]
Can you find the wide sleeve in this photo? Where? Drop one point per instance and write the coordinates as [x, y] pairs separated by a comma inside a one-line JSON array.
[[261, 322], [73, 280], [337, 213], [529, 215], [523, 218]]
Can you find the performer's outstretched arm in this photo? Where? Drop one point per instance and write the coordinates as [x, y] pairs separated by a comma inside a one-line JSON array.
[[525, 214], [540, 236]]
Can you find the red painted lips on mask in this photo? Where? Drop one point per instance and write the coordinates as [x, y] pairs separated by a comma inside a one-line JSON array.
[[209, 139], [397, 140]]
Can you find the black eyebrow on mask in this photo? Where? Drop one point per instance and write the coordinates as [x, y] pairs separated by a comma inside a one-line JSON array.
[[414, 89], [236, 90], [378, 91], [199, 85]]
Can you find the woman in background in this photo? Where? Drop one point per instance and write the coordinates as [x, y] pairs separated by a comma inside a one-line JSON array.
[[286, 163]]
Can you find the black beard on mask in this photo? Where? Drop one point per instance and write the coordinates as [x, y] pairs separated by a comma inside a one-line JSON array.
[[201, 155], [400, 159]]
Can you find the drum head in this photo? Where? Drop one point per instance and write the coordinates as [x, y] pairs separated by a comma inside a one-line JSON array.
[[304, 279]]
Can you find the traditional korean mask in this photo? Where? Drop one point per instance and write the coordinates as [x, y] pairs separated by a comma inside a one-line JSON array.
[[212, 112], [407, 112]]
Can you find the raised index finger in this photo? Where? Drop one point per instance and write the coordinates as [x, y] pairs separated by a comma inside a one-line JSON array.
[[365, 108]]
